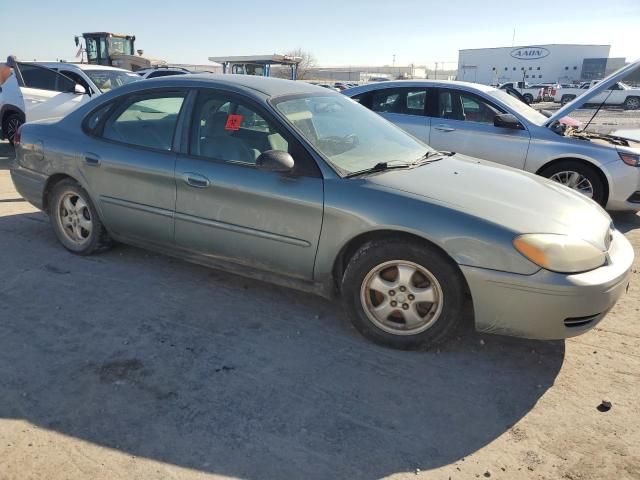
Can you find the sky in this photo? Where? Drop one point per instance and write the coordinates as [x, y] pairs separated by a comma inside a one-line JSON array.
[[336, 33]]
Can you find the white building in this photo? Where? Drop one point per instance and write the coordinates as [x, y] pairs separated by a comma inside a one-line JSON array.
[[535, 63]]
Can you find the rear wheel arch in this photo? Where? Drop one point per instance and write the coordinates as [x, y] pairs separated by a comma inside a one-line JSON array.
[[352, 246], [52, 181], [596, 168]]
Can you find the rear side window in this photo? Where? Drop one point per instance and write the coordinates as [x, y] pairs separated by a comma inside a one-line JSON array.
[[146, 122], [44, 78], [408, 101]]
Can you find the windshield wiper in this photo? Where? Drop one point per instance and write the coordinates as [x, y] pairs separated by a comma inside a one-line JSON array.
[[380, 167], [432, 156]]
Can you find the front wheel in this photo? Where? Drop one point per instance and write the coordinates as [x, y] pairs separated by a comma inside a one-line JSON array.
[[403, 295], [578, 176], [75, 220]]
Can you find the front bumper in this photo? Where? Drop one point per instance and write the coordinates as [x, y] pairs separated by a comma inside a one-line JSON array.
[[548, 305], [624, 184]]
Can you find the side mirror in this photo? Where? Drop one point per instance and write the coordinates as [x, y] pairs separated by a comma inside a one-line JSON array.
[[507, 120], [275, 161], [79, 89]]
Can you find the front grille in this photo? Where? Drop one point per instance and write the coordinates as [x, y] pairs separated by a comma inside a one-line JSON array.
[[634, 198], [575, 322]]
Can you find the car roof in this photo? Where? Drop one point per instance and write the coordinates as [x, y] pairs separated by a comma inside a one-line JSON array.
[[81, 66], [421, 83], [271, 87]]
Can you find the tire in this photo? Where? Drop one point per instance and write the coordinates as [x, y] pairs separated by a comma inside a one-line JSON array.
[[528, 98], [566, 99], [631, 103], [77, 226], [562, 170], [10, 126], [378, 260]]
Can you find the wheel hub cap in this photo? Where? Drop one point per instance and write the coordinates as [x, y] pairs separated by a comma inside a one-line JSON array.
[[401, 297], [74, 218], [575, 181]]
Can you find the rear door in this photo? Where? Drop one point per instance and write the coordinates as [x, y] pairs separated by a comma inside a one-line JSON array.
[[227, 208], [464, 124], [129, 163], [403, 106], [46, 93]]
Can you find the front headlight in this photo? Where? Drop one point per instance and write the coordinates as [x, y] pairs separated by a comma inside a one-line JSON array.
[[559, 253]]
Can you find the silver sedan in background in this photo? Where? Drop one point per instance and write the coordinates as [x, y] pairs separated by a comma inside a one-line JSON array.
[[488, 123], [301, 186]]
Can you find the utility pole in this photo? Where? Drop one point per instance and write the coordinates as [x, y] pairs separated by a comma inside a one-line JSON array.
[[513, 39], [435, 72]]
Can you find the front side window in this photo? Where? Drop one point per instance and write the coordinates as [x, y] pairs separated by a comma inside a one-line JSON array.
[[230, 130], [408, 101], [92, 49], [146, 122], [349, 136], [467, 107], [121, 45]]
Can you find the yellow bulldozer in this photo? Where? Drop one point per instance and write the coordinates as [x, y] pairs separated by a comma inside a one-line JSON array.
[[113, 49]]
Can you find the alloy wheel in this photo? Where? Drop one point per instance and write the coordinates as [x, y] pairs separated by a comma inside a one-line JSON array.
[[74, 218], [13, 124], [574, 180], [401, 297]]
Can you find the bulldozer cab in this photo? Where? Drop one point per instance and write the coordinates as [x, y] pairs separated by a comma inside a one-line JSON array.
[[101, 47]]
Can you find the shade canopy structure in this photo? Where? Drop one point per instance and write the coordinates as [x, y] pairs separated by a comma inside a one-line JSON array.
[[259, 65]]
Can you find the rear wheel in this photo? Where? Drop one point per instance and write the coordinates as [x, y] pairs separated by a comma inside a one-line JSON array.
[[11, 125], [580, 177], [566, 99], [528, 98], [632, 103], [75, 220], [403, 295]]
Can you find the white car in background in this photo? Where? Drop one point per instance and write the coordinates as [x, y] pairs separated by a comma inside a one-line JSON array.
[[96, 79], [161, 71], [619, 94], [35, 91], [488, 123]]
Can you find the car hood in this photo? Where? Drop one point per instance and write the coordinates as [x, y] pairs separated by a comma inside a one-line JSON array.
[[519, 201], [616, 76]]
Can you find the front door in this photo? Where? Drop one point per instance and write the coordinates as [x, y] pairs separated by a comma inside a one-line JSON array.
[[464, 124], [132, 176], [227, 208]]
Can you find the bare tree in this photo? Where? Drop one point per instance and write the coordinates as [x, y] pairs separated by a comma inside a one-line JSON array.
[[304, 67]]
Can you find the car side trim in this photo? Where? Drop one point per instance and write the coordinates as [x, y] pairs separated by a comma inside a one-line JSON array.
[[136, 206], [238, 229]]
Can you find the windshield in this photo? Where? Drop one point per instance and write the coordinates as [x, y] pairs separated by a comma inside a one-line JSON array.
[[518, 107], [107, 80], [351, 137]]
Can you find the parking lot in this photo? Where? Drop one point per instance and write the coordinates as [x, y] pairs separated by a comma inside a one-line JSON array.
[[130, 364]]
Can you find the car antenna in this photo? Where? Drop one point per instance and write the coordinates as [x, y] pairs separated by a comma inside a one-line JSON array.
[[597, 110]]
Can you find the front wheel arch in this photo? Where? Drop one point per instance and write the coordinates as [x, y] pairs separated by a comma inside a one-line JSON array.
[[596, 168], [352, 246]]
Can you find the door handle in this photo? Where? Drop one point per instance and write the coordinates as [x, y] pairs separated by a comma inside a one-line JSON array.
[[92, 159], [196, 180], [444, 128]]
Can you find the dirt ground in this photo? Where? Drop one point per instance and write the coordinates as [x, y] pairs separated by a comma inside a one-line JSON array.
[[131, 365]]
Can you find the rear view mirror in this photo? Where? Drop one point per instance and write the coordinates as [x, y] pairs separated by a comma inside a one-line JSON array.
[[275, 161], [507, 120], [79, 89]]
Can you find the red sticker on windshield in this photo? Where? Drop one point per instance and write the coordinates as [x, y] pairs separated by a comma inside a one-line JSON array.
[[233, 122]]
